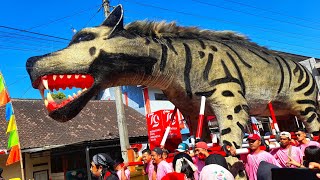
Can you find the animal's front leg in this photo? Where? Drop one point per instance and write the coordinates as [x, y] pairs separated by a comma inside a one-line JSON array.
[[231, 110]]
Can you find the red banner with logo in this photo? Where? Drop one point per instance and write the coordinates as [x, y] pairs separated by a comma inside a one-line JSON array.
[[157, 124]]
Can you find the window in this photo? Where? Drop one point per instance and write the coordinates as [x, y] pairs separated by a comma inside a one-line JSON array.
[[159, 96]]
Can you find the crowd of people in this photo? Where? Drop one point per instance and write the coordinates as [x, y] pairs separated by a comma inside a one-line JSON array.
[[201, 164]]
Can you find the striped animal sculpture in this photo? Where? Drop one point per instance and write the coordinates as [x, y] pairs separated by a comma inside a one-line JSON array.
[[238, 77]]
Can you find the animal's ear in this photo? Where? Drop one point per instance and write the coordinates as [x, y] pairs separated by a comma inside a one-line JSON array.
[[115, 19]]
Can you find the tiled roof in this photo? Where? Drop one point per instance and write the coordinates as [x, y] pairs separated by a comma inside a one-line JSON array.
[[97, 121]]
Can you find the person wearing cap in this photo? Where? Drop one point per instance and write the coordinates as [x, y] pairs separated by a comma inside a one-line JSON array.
[[303, 141], [121, 169], [149, 167], [163, 167], [183, 147], [201, 153], [286, 150], [102, 167], [256, 156]]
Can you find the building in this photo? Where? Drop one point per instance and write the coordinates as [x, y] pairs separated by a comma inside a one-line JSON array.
[[52, 150]]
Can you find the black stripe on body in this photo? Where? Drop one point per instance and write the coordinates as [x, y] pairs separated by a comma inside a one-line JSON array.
[[225, 131], [171, 47], [227, 93], [164, 57], [226, 79], [282, 75], [240, 126], [304, 84], [245, 108], [205, 93], [243, 87], [236, 145], [311, 118], [201, 54], [238, 55], [203, 46], [230, 117], [147, 41], [237, 109], [296, 69], [208, 67], [310, 91], [289, 69], [301, 74], [307, 110], [263, 58], [306, 101], [213, 48], [187, 69], [240, 92]]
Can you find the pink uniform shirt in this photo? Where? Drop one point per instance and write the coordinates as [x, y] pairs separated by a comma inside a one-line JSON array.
[[309, 143], [163, 168], [150, 170], [253, 161], [282, 154], [127, 173], [199, 164]]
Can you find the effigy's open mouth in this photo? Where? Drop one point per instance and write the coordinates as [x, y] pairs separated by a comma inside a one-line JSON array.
[[48, 83]]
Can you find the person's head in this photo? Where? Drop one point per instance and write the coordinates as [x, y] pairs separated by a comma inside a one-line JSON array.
[[285, 138], [311, 154], [156, 155], [183, 147], [117, 163], [301, 135], [201, 150], [165, 154], [146, 155], [100, 164], [216, 159], [182, 163], [254, 141]]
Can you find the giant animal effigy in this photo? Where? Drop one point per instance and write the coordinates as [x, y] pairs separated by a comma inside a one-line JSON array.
[[238, 77]]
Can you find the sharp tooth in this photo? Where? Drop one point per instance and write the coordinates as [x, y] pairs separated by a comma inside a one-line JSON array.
[[61, 76], [83, 76], [70, 97], [69, 76], [42, 93], [49, 97], [54, 77], [76, 76], [79, 92], [46, 102], [45, 83], [74, 95], [84, 89]]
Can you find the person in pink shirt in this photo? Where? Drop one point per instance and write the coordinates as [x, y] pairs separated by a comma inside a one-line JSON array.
[[303, 141], [163, 167], [286, 150], [149, 167], [256, 156], [121, 169], [201, 153]]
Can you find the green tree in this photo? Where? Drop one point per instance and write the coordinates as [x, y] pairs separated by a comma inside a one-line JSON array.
[[59, 95]]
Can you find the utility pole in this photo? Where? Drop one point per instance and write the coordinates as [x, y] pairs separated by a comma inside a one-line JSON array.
[[121, 118]]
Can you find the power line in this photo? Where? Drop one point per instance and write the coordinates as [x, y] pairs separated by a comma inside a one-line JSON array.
[[219, 20], [62, 18], [26, 31], [274, 12], [251, 14]]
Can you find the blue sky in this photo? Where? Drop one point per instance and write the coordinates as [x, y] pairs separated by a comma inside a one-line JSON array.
[[289, 25]]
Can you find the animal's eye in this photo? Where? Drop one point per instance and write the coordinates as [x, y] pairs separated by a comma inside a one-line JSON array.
[[82, 37]]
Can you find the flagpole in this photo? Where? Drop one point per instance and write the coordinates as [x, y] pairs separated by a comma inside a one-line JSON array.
[[21, 158]]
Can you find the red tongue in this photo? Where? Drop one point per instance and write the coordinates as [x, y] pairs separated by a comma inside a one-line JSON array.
[[53, 105]]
